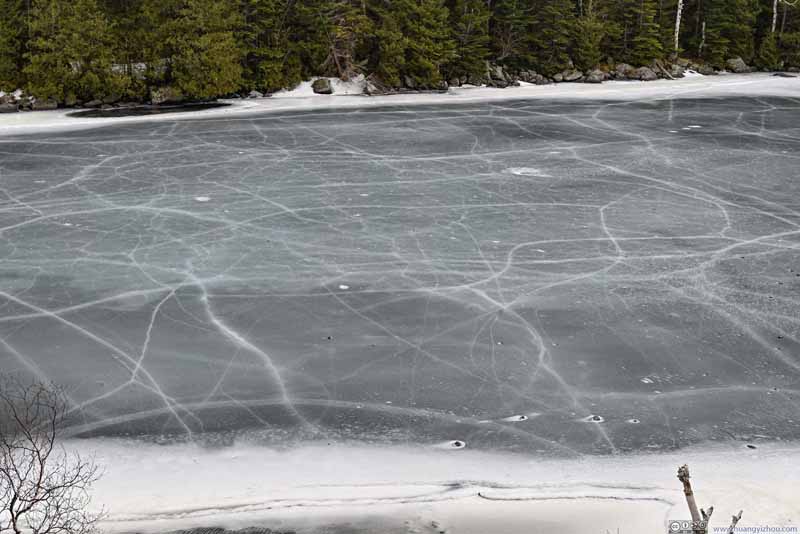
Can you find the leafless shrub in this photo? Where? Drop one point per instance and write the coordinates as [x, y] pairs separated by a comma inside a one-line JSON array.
[[43, 489]]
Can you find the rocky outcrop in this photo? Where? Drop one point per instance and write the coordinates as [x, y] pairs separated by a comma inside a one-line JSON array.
[[623, 71], [164, 95], [44, 104], [645, 74], [676, 70], [8, 107], [322, 86], [255, 94], [571, 75], [705, 70], [737, 64], [374, 86], [595, 76]]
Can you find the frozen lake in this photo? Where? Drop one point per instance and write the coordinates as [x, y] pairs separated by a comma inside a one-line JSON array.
[[559, 278]]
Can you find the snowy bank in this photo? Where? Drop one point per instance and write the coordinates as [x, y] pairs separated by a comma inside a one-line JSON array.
[[156, 488], [302, 98]]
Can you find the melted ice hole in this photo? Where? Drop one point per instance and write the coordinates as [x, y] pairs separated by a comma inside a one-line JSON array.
[[594, 419], [455, 444]]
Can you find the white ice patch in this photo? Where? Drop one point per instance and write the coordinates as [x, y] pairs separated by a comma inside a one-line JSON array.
[[343, 287], [202, 199], [144, 485], [526, 171], [515, 418]]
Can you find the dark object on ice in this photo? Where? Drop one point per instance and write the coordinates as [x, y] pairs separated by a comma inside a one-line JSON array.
[[144, 110], [751, 446], [784, 75]]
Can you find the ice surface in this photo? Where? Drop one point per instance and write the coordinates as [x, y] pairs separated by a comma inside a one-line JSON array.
[[463, 491], [420, 275]]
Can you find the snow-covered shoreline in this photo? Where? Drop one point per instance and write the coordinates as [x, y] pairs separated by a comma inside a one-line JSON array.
[[301, 99], [157, 488]]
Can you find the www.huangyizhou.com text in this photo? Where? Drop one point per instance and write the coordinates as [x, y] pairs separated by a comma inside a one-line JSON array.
[[763, 529]]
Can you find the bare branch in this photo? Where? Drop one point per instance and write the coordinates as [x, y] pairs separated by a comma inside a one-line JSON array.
[[43, 489], [734, 520]]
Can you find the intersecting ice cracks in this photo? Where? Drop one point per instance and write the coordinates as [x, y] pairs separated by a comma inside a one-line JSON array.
[[494, 275]]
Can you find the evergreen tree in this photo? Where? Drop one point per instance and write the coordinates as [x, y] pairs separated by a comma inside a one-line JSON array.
[[767, 57], [414, 40], [589, 33], [345, 39], [265, 43], [469, 20], [428, 39], [205, 60], [789, 48], [310, 36], [13, 40], [646, 44], [70, 51], [729, 30], [389, 59], [510, 32], [553, 30]]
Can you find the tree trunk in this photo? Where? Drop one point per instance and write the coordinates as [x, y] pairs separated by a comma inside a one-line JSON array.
[[774, 14], [678, 15], [702, 39]]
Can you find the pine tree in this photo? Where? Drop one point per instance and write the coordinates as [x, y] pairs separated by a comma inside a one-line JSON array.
[[767, 57], [13, 41], [469, 20], [349, 30], [205, 60], [646, 44], [510, 32], [589, 33], [414, 40], [70, 51], [309, 37], [553, 30], [389, 57], [265, 43], [428, 41], [729, 30]]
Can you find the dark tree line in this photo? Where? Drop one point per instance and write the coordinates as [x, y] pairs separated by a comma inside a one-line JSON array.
[[72, 50]]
